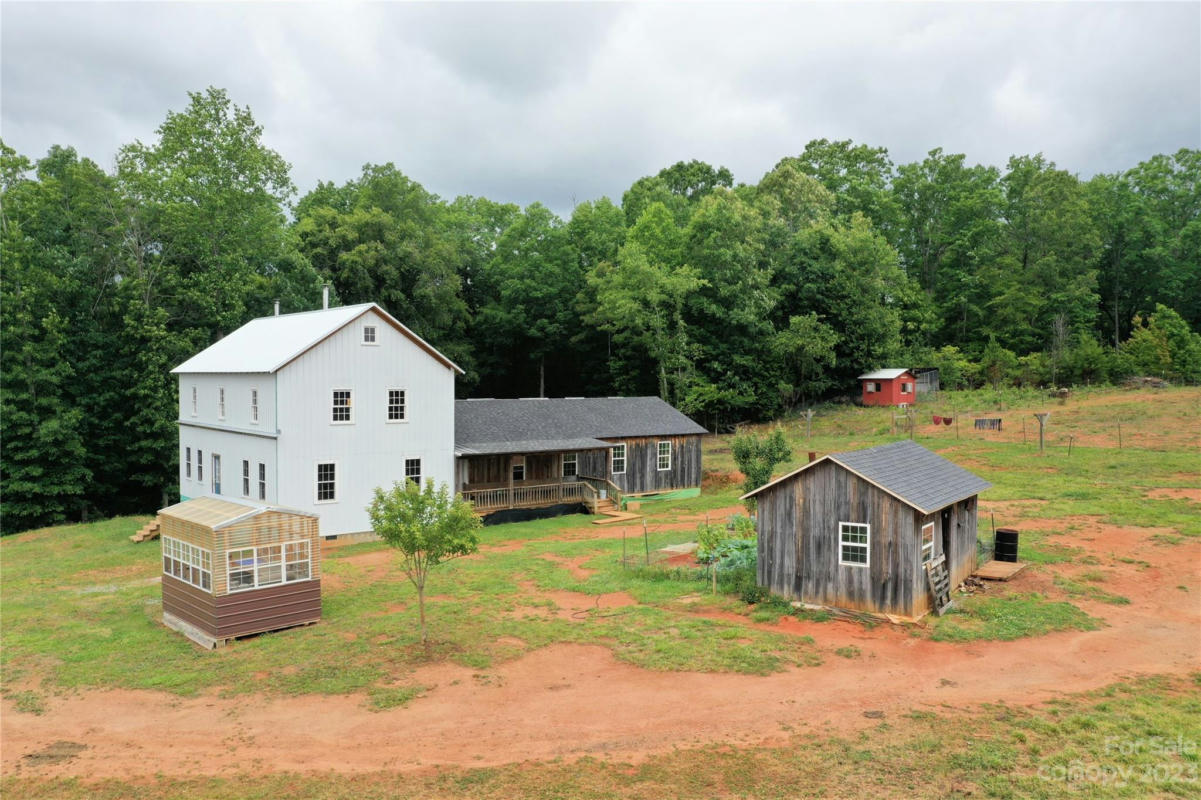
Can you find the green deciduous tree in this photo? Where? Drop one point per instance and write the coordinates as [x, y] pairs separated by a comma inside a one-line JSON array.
[[428, 526], [756, 457]]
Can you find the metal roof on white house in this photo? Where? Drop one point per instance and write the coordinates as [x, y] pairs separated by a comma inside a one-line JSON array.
[[267, 344], [882, 375]]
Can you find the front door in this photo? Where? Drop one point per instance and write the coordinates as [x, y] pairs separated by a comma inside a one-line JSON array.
[[216, 474], [946, 535]]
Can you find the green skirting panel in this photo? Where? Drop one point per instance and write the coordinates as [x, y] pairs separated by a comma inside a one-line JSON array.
[[183, 499], [678, 494]]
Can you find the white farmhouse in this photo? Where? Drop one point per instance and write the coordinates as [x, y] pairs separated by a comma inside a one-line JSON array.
[[312, 411]]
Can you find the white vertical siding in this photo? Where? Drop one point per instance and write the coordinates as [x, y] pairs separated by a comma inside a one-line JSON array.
[[233, 448], [237, 399], [370, 452]]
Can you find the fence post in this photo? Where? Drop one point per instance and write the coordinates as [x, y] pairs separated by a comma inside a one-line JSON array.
[[1070, 440], [646, 541], [624, 563], [1119, 436], [1042, 428]]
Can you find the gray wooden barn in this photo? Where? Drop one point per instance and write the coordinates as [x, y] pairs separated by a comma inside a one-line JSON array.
[[854, 530]]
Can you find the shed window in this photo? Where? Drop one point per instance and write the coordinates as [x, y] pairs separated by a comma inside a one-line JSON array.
[[187, 462], [220, 402], [906, 388], [245, 478], [369, 334], [269, 565], [341, 408], [327, 482], [296, 561], [571, 465], [664, 462], [927, 542], [254, 406], [413, 470], [853, 543], [262, 481], [870, 386], [619, 459], [519, 468], [188, 563], [397, 408]]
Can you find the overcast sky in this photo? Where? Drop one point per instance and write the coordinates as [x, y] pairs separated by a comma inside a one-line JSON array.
[[552, 102]]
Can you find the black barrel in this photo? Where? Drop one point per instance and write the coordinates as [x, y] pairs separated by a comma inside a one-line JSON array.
[[1005, 547]]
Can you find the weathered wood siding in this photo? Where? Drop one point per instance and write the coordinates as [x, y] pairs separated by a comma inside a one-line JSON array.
[[642, 474], [243, 613], [799, 543], [539, 467], [799, 535]]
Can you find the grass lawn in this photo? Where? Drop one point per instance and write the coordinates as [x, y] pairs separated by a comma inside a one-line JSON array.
[[82, 609]]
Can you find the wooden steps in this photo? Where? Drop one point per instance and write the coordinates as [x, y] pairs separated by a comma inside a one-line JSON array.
[[148, 531], [612, 514]]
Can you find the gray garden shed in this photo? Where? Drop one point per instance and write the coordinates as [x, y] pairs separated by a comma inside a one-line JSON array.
[[855, 529]]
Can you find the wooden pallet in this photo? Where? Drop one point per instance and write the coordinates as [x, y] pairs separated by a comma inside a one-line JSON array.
[[1000, 570], [940, 584], [614, 516], [148, 531]]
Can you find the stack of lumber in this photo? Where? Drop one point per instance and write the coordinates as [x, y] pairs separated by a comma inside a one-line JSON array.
[[148, 531]]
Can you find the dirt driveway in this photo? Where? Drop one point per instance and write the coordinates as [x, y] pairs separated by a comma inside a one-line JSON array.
[[573, 700]]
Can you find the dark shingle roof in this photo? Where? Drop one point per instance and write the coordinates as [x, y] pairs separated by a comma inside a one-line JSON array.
[[923, 479], [568, 423]]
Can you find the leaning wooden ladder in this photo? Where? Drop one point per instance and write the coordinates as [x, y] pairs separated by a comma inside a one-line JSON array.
[[940, 584]]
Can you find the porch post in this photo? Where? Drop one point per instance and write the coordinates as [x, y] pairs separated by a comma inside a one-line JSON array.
[[511, 457]]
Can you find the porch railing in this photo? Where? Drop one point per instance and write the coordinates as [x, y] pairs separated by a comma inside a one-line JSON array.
[[606, 486], [545, 494]]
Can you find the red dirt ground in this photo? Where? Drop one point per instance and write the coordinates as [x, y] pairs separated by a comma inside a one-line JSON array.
[[574, 700]]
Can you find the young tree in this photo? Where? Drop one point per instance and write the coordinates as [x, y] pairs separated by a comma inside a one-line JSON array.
[[428, 526], [757, 458]]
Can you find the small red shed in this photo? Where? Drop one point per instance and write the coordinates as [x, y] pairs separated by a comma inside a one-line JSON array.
[[888, 387]]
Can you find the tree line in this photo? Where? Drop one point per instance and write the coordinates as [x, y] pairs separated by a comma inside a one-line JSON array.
[[733, 301]]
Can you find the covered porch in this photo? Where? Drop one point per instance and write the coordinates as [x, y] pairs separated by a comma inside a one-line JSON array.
[[538, 478]]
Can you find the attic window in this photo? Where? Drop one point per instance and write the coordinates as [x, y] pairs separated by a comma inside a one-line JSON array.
[[369, 334]]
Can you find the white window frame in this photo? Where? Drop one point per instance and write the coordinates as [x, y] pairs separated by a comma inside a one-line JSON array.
[[216, 476], [374, 335], [924, 556], [906, 387], [195, 401], [317, 482], [615, 458], [187, 463], [301, 553], [200, 466], [871, 387], [262, 481], [220, 402], [408, 463], [845, 528], [334, 407], [574, 460], [254, 405], [188, 563], [517, 463], [245, 478], [404, 405], [659, 456]]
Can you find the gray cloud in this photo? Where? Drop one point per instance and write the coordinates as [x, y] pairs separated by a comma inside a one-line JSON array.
[[554, 102]]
